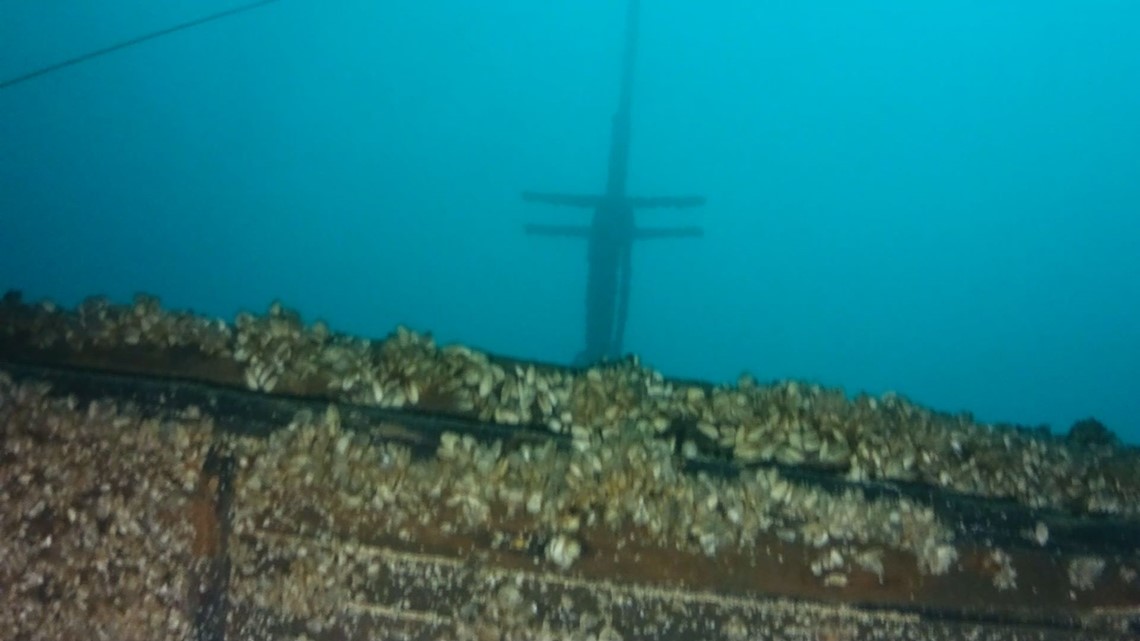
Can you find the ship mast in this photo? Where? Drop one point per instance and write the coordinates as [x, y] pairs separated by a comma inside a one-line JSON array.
[[613, 230]]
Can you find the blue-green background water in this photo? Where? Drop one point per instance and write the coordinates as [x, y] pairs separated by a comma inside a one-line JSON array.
[[939, 198]]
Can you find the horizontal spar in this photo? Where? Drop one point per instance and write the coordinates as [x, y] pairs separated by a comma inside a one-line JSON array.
[[593, 201], [568, 231], [582, 231], [673, 232]]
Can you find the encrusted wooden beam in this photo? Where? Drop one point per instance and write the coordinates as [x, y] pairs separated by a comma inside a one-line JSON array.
[[166, 476]]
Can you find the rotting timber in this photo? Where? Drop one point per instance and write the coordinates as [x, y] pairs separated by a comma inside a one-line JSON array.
[[170, 476]]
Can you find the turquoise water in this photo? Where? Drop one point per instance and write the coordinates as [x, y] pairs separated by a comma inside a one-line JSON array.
[[939, 199]]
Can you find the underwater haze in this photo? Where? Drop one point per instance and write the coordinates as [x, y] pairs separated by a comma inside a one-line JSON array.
[[937, 198]]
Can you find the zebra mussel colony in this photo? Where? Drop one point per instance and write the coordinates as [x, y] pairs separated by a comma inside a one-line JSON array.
[[789, 422], [94, 536], [886, 438], [102, 535], [630, 431]]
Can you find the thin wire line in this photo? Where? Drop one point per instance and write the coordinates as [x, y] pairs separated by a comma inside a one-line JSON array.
[[130, 43]]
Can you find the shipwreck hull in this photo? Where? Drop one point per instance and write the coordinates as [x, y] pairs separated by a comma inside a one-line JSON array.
[[167, 476]]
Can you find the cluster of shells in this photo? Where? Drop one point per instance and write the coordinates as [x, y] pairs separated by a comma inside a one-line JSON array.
[[317, 476], [94, 543], [791, 423], [98, 535], [99, 323]]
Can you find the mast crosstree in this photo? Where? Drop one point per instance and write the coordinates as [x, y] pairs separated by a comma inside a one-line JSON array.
[[613, 229]]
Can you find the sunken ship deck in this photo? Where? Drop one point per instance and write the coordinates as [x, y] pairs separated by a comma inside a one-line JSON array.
[[166, 475]]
